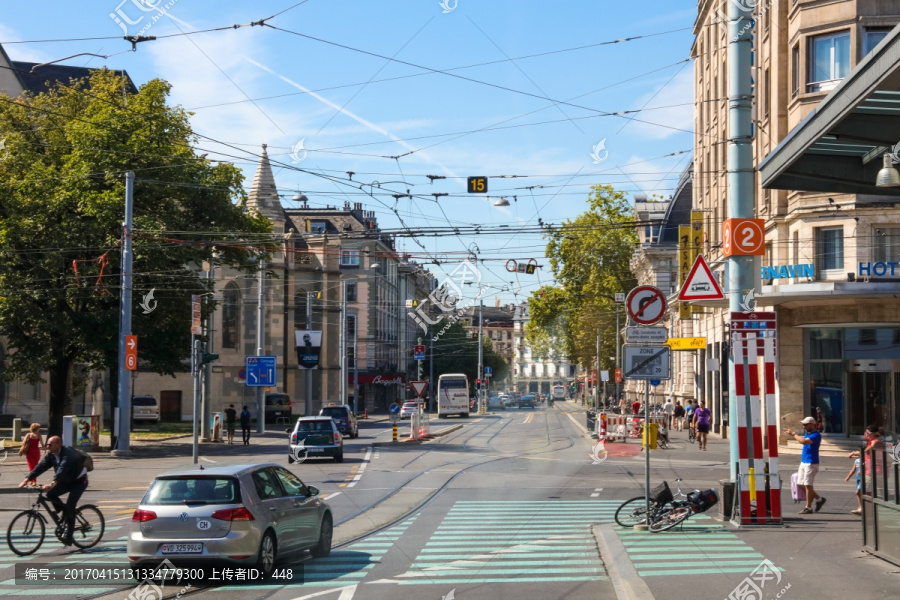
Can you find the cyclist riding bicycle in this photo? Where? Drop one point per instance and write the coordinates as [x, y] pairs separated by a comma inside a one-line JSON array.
[[70, 477]]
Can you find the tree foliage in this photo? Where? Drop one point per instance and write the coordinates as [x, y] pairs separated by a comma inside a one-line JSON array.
[[62, 204], [454, 352], [590, 259]]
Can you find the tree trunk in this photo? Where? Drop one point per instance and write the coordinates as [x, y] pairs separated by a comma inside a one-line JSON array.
[[60, 374]]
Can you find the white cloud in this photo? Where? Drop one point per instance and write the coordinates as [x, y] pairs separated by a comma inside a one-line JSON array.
[[665, 122]]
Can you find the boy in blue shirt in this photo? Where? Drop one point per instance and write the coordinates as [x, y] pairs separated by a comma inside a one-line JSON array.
[[809, 463]]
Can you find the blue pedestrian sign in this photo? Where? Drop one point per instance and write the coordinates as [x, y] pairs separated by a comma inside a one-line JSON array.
[[655, 382], [261, 371], [487, 370]]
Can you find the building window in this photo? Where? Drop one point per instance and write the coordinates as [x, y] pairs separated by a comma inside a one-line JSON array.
[[351, 357], [350, 291], [829, 248], [317, 226], [829, 61], [231, 305], [886, 244], [872, 37], [349, 258], [767, 93], [795, 70], [351, 326]]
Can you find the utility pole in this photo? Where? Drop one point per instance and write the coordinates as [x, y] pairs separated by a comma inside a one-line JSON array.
[[124, 422], [481, 406], [617, 352], [431, 372], [196, 365], [207, 367], [307, 409], [740, 274], [260, 346], [355, 364], [597, 379], [342, 384]]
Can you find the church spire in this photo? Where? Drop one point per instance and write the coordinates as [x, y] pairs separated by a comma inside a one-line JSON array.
[[263, 193]]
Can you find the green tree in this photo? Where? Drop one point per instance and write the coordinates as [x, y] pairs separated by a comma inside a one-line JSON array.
[[454, 352], [62, 197], [590, 259]]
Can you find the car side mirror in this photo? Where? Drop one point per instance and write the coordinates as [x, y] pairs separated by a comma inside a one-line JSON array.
[[313, 491]]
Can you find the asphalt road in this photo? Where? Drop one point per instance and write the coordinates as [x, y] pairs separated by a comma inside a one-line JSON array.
[[506, 505]]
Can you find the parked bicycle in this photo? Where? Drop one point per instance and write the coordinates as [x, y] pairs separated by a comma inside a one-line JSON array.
[[28, 528], [665, 510]]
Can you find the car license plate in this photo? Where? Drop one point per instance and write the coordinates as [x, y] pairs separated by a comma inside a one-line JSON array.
[[315, 449], [182, 548]]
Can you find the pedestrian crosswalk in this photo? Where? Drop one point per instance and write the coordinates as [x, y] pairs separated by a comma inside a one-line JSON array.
[[513, 541], [699, 547]]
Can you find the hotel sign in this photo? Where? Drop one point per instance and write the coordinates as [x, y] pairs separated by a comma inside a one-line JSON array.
[[879, 269], [789, 271]]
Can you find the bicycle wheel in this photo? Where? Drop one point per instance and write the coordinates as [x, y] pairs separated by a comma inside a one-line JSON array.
[[89, 526], [633, 512], [669, 519], [26, 532], [692, 435]]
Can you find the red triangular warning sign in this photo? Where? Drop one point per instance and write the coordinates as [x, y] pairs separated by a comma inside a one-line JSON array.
[[700, 283], [419, 387]]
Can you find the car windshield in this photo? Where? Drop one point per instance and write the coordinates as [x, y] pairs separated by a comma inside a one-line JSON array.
[[314, 426], [334, 411], [192, 490], [143, 401], [411, 404]]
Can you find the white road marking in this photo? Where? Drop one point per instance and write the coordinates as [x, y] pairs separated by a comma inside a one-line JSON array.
[[346, 593], [577, 424], [596, 492], [330, 496], [208, 459], [362, 467]]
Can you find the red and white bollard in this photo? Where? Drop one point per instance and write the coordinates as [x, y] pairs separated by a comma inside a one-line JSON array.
[[365, 413]]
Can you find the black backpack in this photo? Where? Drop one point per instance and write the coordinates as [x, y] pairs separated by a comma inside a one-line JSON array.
[[86, 460]]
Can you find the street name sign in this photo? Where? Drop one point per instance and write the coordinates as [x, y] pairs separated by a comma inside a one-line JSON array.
[[646, 335]]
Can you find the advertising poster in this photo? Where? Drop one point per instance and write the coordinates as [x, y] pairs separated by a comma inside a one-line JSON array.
[[87, 431], [309, 346]]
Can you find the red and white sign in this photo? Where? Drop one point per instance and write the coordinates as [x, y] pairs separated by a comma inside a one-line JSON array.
[[196, 326], [419, 387], [419, 352], [743, 237], [700, 283], [618, 375], [131, 353], [645, 304]]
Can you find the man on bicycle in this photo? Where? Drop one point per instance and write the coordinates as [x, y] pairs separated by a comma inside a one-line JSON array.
[[70, 477]]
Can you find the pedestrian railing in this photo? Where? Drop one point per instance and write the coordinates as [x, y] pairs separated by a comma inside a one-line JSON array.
[[880, 488]]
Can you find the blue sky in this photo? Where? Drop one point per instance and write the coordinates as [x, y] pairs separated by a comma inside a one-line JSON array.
[[255, 85]]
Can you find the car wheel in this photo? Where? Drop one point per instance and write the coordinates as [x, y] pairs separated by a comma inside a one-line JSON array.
[[339, 457], [323, 548], [267, 553], [290, 459]]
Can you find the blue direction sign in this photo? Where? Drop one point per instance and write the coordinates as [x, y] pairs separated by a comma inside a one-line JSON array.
[[261, 371], [487, 371], [394, 408]]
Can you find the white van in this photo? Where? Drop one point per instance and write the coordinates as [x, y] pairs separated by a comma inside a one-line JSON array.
[[145, 408]]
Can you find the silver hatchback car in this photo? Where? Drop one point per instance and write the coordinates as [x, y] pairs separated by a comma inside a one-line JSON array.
[[242, 515]]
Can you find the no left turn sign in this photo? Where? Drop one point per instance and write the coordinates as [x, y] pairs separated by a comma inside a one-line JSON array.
[[645, 304]]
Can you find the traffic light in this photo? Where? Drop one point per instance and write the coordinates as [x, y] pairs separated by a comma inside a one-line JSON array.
[[477, 384], [208, 357]]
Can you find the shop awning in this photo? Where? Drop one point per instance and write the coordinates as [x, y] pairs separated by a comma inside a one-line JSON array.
[[839, 146]]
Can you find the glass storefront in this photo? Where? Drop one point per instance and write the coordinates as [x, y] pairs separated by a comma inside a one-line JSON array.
[[854, 379]]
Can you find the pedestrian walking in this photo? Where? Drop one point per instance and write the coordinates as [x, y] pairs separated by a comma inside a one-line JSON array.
[[678, 413], [702, 422], [31, 448], [636, 407], [856, 469], [809, 463], [873, 442], [230, 418], [668, 410], [245, 425]]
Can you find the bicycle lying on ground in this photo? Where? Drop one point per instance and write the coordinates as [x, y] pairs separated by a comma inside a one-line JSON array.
[[28, 528], [665, 511]]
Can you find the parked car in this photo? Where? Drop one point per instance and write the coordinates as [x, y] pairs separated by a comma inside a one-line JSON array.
[[145, 408], [409, 409], [314, 437], [343, 417], [279, 409], [527, 400], [242, 515]]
